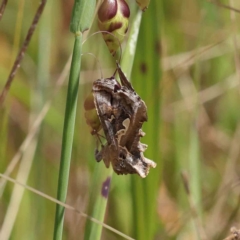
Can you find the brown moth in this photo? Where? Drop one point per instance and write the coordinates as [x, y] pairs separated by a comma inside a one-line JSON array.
[[121, 112], [235, 234]]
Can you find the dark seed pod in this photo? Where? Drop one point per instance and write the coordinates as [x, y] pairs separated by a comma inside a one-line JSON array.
[[113, 16]]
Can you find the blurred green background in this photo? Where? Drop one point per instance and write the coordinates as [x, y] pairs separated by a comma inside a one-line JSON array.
[[186, 69]]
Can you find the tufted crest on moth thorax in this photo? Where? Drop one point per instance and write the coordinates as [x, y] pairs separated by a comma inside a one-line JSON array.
[[122, 113]]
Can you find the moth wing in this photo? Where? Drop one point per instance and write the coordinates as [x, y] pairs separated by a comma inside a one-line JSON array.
[[102, 101], [137, 112], [123, 79]]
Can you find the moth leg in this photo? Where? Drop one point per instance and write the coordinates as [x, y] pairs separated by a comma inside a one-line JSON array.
[[98, 155], [98, 140]]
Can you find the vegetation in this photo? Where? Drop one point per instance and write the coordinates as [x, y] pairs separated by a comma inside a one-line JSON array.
[[182, 59]]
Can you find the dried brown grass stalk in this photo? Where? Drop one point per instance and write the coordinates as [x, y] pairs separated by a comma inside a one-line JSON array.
[[225, 6], [194, 213], [67, 206], [34, 127], [22, 51]]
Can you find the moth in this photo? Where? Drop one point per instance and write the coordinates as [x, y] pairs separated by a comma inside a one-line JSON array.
[[122, 113], [235, 234]]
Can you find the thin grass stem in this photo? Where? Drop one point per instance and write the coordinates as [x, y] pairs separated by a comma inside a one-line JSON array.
[[22, 51], [68, 131], [65, 206]]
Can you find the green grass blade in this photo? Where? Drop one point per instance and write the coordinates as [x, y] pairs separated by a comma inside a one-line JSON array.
[[68, 131], [146, 81], [195, 183], [82, 15], [194, 156], [98, 200], [129, 53], [195, 168]]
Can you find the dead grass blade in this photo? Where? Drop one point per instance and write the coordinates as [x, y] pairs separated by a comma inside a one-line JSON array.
[[66, 206], [35, 126], [22, 51], [224, 6]]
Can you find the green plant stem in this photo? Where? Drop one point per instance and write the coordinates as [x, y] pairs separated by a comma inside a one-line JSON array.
[[130, 50], [146, 76], [82, 15], [194, 159], [68, 131], [98, 200]]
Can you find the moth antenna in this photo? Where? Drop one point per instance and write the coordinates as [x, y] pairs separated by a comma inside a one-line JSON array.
[[99, 139], [98, 62], [93, 34], [101, 136]]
